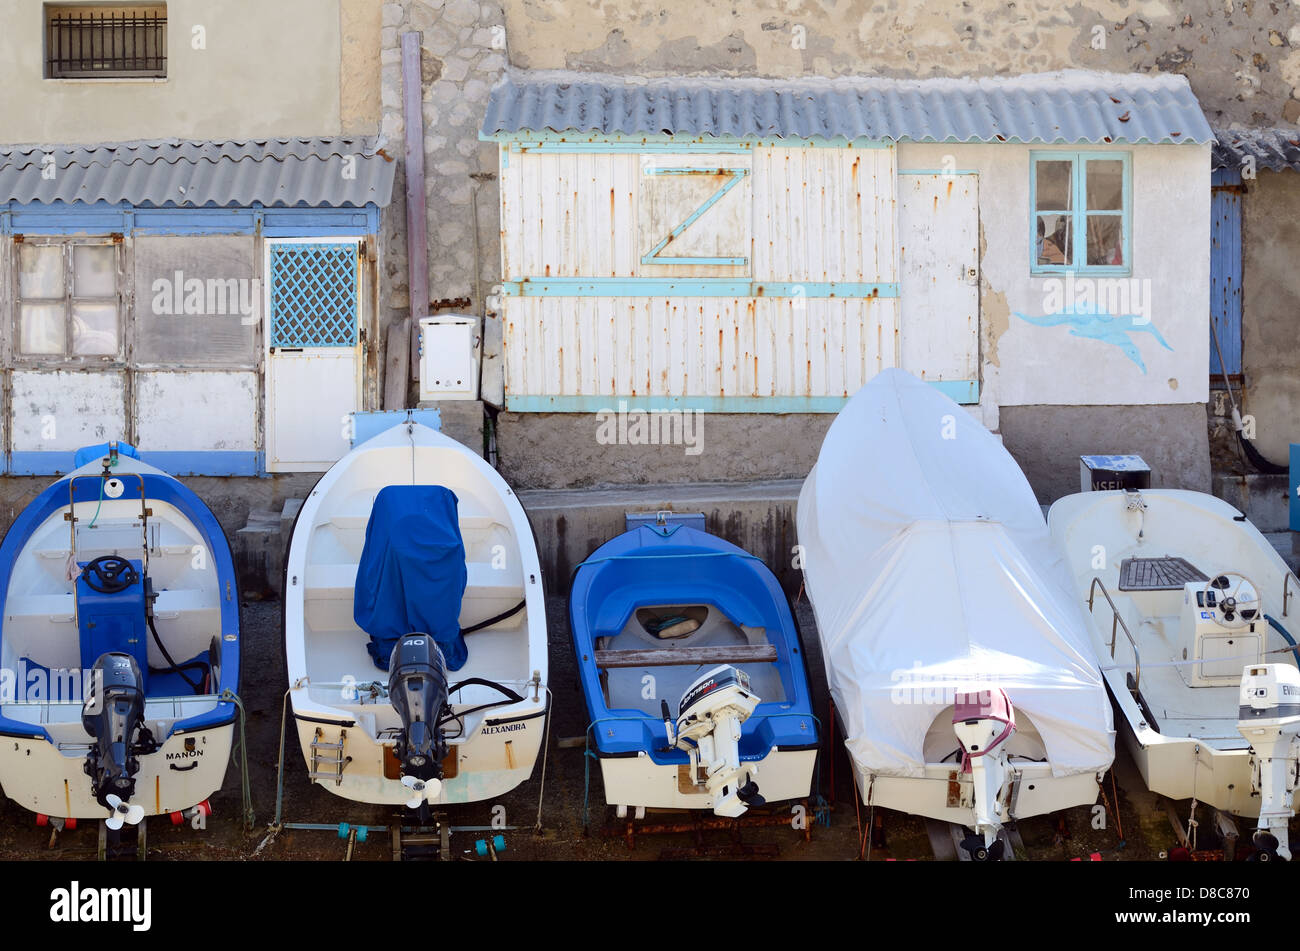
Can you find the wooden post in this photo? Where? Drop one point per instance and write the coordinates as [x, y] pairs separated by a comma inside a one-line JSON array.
[[417, 222]]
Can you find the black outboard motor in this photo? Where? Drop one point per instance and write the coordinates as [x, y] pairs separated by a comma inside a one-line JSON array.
[[114, 715], [417, 689]]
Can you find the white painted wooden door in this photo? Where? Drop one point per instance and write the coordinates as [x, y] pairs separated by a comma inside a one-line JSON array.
[[939, 257], [313, 364]]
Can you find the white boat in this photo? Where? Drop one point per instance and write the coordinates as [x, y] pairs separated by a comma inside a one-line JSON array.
[[119, 649], [960, 663], [412, 549], [1191, 610]]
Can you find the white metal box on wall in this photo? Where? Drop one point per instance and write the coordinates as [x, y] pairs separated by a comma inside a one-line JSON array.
[[449, 357]]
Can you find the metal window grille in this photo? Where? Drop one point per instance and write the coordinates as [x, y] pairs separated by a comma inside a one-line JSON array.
[[313, 295], [123, 41]]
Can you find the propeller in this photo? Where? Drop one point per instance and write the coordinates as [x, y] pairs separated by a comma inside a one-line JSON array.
[[1266, 845], [424, 790], [120, 812]]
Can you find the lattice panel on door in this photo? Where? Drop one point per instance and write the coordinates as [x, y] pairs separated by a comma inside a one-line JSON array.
[[313, 295]]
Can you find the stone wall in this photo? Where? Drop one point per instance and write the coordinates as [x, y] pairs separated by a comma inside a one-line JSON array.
[[1242, 57], [1270, 350], [463, 53]]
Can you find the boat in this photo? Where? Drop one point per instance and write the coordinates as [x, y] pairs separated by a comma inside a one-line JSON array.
[[1190, 606], [693, 673], [959, 660], [415, 626], [119, 646]]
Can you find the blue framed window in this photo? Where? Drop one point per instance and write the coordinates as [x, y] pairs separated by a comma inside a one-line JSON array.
[[1080, 212]]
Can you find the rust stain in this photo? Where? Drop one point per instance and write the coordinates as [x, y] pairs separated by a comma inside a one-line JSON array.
[[949, 188]]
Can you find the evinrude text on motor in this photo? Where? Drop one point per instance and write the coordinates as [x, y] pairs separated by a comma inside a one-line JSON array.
[[708, 728]]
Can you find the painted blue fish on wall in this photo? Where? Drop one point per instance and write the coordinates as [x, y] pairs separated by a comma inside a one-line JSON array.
[[1112, 329]]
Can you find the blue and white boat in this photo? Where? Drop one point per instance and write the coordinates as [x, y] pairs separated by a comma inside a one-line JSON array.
[[694, 676], [120, 636]]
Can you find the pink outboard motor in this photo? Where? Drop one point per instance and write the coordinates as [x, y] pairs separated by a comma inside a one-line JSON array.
[[984, 721]]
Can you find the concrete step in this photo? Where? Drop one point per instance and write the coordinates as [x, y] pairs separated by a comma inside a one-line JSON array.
[[571, 523], [1264, 499], [259, 549]]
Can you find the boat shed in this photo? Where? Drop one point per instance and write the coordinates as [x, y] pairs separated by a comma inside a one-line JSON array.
[[1035, 246], [208, 302]]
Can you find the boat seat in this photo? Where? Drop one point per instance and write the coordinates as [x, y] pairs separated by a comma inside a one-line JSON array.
[[687, 656], [338, 581], [53, 606], [360, 517]]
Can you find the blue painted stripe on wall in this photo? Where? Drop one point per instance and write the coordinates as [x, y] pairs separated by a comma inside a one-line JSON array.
[[690, 287], [105, 218], [198, 462], [961, 391]]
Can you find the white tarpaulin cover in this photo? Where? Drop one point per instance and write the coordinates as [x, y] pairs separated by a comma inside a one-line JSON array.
[[931, 571]]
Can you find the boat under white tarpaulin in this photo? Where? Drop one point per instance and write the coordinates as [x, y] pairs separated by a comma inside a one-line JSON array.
[[931, 573]]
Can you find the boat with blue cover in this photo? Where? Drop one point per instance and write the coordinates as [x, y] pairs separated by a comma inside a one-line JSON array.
[[119, 647], [667, 612], [415, 626]]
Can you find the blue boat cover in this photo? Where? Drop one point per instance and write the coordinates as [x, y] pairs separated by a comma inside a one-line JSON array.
[[412, 572]]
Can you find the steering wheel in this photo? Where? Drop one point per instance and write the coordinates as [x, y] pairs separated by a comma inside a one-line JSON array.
[[1240, 603], [109, 574]]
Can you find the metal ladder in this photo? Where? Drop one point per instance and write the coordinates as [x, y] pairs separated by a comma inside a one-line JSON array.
[[329, 755]]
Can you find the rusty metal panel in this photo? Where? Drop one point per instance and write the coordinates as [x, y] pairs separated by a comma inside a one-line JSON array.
[[824, 214], [203, 410], [795, 216], [939, 249], [697, 346], [61, 411]]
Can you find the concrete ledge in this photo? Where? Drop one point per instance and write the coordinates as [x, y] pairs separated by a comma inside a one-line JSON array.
[[571, 523], [1263, 498]]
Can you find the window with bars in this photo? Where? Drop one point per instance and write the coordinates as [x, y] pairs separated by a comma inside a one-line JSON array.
[[87, 42], [68, 301]]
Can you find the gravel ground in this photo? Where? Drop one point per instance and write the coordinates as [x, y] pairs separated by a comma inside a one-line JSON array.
[[562, 836]]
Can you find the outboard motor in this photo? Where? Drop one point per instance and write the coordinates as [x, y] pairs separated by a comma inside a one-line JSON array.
[[984, 721], [708, 728], [1269, 719], [114, 715], [417, 689]]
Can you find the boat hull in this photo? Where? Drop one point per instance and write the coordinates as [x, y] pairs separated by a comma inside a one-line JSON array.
[[498, 756], [1185, 768], [186, 770], [639, 782], [939, 794]]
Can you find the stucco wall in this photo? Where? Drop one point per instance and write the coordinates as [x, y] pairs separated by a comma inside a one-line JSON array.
[[1171, 259], [359, 34], [1271, 310], [1241, 56], [1047, 441], [265, 69]]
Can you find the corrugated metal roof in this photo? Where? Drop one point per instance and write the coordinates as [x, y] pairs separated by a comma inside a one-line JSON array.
[[275, 172], [1273, 149], [1064, 107]]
